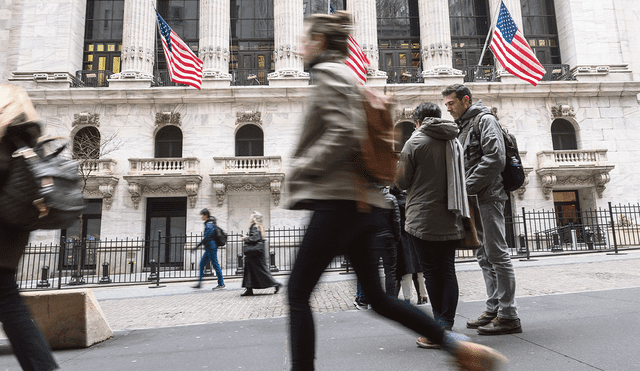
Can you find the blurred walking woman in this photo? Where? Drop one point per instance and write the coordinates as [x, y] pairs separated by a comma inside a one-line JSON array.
[[324, 179], [256, 272]]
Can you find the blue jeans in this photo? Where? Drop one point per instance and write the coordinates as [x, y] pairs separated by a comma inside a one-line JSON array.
[[27, 340], [212, 256], [493, 258], [337, 227], [437, 259]]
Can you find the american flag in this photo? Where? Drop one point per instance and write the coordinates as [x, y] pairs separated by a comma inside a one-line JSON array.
[[357, 61], [512, 51], [184, 66]]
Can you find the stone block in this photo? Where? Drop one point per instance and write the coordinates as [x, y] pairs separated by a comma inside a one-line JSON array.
[[68, 318]]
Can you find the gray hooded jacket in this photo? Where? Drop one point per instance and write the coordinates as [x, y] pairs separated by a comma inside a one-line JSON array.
[[484, 155], [422, 171]]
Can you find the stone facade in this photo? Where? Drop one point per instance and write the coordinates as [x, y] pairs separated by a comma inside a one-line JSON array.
[[598, 39]]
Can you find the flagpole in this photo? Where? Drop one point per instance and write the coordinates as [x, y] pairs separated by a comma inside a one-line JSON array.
[[494, 20], [155, 41]]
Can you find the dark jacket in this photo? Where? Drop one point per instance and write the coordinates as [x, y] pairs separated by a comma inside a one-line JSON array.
[[408, 258], [208, 239], [484, 155], [323, 165], [422, 171], [388, 222]]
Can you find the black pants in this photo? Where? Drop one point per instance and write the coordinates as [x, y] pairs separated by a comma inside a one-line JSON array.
[[438, 263], [27, 340], [337, 227]]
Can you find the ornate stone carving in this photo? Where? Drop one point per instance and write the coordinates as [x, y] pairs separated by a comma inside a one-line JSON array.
[[85, 118], [107, 194], [561, 111], [164, 118], [548, 181], [248, 187], [134, 190], [600, 180], [192, 193], [248, 116], [220, 189], [276, 185]]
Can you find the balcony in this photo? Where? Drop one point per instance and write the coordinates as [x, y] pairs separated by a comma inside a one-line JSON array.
[[100, 178], [162, 78], [91, 79], [554, 72], [573, 169], [250, 173], [404, 75], [250, 76], [163, 176]]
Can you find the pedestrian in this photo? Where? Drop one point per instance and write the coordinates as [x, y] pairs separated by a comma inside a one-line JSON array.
[[431, 170], [210, 249], [484, 160], [256, 271], [18, 120], [408, 267], [385, 240], [324, 179]]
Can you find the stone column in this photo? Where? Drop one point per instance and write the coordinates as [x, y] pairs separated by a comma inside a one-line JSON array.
[[138, 37], [214, 43], [515, 8], [435, 41], [366, 34], [288, 16], [42, 42]]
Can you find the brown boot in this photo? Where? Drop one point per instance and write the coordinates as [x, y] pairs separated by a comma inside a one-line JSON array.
[[501, 326], [484, 319], [476, 357]]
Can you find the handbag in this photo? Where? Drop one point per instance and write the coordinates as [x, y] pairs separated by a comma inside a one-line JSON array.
[[40, 192], [254, 248], [472, 225]]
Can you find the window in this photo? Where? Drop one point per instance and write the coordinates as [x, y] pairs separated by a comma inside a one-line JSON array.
[[183, 18], [398, 39], [103, 36], [86, 143], [169, 142], [469, 21], [252, 45], [249, 141], [540, 29], [563, 135], [321, 6]]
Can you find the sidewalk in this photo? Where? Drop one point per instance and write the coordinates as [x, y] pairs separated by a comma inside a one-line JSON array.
[[578, 313]]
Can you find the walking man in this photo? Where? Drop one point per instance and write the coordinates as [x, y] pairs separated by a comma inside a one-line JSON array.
[[484, 160], [210, 249]]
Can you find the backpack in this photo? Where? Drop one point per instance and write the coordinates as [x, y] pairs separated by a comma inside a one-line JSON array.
[[220, 236], [513, 174], [377, 159]]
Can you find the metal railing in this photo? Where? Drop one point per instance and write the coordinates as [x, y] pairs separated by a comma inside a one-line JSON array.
[[91, 79], [162, 78], [554, 72], [557, 72], [250, 76], [76, 262], [404, 75]]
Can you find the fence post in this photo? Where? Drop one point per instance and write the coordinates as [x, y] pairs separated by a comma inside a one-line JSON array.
[[60, 259], [157, 264], [613, 232], [77, 278], [44, 278], [272, 261], [526, 242], [240, 269], [105, 273]]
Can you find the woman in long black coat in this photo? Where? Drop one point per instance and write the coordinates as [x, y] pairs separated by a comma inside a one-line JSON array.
[[256, 272]]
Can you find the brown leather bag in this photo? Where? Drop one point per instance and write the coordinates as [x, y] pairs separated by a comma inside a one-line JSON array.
[[472, 225]]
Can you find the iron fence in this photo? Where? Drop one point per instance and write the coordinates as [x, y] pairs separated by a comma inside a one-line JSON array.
[[91, 79], [553, 72], [120, 261], [404, 75]]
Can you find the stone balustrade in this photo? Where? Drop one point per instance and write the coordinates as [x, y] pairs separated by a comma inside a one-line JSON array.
[[587, 157], [248, 164], [164, 165]]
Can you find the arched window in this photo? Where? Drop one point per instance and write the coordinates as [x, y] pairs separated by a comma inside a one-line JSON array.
[[249, 141], [563, 135], [86, 143], [402, 133], [169, 142]]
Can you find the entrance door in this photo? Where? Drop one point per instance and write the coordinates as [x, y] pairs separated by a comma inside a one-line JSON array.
[[166, 231], [567, 210]]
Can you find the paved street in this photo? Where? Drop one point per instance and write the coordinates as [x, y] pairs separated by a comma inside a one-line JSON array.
[[578, 313]]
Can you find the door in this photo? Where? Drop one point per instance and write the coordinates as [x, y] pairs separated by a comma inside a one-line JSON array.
[[80, 251], [166, 231], [568, 218]]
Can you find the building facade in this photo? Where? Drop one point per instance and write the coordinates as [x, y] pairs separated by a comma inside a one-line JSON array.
[[155, 153]]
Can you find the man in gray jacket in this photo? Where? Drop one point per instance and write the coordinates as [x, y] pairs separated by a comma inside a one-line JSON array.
[[484, 160]]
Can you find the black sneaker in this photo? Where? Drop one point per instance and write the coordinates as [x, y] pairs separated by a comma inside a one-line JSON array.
[[219, 287], [484, 319], [360, 305]]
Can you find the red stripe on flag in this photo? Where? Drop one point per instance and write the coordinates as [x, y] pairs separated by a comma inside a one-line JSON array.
[[357, 61]]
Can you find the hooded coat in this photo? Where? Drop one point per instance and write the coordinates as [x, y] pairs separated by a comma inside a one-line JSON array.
[[422, 171], [484, 154], [323, 166]]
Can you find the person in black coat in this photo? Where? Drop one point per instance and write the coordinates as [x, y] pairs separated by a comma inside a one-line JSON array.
[[256, 271], [385, 241]]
